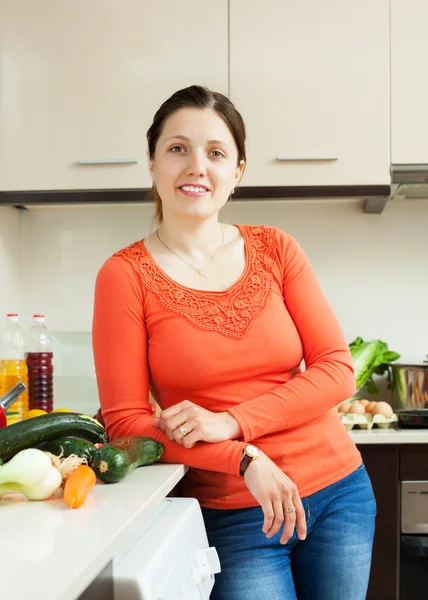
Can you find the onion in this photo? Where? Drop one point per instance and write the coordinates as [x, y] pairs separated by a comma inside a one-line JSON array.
[[31, 473], [27, 467]]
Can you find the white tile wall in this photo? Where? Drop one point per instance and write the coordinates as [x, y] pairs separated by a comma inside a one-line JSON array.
[[373, 268]]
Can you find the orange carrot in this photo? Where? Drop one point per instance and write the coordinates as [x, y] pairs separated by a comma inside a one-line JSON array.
[[78, 486]]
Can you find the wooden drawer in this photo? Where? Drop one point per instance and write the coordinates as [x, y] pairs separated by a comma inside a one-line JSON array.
[[414, 461]]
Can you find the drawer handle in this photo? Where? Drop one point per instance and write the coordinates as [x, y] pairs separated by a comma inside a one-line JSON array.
[[307, 158], [108, 161]]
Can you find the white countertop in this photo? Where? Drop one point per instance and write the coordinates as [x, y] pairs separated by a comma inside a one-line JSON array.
[[51, 552], [389, 436]]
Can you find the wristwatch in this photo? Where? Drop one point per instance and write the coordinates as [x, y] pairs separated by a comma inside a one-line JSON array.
[[249, 454]]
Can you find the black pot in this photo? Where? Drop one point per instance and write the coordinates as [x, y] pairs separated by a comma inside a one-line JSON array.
[[416, 418]]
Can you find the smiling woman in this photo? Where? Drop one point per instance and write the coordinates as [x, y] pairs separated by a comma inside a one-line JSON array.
[[216, 319]]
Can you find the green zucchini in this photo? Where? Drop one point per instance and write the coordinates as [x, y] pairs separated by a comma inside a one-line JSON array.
[[32, 432], [114, 461], [65, 446]]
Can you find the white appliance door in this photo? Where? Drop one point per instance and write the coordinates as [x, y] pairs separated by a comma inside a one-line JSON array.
[[171, 560]]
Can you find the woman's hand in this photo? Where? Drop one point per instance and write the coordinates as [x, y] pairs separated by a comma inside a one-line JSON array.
[[275, 492], [199, 424]]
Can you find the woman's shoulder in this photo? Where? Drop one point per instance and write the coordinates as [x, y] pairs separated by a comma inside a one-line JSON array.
[[274, 246], [132, 253], [124, 262], [270, 238]]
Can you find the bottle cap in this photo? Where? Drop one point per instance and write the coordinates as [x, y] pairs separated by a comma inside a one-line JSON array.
[[39, 317]]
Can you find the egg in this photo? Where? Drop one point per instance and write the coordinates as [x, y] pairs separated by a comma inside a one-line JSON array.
[[383, 408], [344, 407], [370, 406], [364, 402], [356, 408]]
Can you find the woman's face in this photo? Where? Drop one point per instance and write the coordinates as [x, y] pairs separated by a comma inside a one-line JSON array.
[[195, 166]]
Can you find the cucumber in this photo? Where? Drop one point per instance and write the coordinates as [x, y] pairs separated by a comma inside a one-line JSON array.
[[65, 446], [32, 432], [114, 461]]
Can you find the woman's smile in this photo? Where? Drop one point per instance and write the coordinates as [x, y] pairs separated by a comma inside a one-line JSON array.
[[194, 191]]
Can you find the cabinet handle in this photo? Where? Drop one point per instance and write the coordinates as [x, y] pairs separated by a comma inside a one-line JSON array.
[[108, 161], [307, 158]]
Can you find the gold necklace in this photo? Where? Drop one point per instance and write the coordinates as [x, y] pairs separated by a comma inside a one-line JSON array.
[[199, 271]]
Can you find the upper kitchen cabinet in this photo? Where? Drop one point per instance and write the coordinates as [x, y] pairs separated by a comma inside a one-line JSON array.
[[409, 84], [311, 80], [80, 83]]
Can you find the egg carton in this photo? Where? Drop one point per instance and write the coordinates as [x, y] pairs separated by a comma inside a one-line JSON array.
[[367, 421]]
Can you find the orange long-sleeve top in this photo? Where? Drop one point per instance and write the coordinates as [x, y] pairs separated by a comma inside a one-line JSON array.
[[238, 350]]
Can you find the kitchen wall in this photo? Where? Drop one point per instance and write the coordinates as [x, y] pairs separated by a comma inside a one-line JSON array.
[[10, 261], [373, 269]]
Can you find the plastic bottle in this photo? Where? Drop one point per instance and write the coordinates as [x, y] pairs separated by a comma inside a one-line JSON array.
[[40, 367], [13, 367]]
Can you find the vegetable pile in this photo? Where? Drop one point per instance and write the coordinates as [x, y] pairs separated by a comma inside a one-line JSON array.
[[67, 452], [370, 358]]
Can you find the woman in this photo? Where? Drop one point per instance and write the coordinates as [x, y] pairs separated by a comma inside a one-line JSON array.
[[215, 319]]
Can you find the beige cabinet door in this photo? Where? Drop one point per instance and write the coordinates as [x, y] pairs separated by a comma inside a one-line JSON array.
[[80, 83], [312, 82], [409, 83]]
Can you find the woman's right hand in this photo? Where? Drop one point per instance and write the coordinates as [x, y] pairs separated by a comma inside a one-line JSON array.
[[275, 492]]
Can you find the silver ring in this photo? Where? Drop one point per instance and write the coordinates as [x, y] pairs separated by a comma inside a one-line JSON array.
[[182, 430], [290, 509]]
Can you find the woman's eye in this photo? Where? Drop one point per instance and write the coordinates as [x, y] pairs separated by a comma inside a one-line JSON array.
[[217, 154], [176, 149]]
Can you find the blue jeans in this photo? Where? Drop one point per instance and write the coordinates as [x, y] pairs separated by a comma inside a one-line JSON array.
[[333, 563]]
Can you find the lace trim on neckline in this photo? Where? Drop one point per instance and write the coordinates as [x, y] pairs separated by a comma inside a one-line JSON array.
[[230, 312]]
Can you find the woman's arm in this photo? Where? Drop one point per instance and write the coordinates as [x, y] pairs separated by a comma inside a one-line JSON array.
[[119, 339], [329, 376]]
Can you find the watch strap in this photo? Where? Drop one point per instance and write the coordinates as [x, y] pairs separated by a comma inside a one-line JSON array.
[[245, 462]]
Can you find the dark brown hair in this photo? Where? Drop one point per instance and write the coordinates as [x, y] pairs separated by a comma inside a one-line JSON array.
[[195, 96]]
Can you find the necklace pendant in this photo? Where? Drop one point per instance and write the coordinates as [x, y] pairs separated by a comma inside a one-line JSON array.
[[200, 272]]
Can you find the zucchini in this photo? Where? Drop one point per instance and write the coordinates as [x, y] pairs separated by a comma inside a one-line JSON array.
[[32, 432], [64, 446], [113, 461]]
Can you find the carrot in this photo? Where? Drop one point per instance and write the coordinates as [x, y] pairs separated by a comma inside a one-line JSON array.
[[78, 486]]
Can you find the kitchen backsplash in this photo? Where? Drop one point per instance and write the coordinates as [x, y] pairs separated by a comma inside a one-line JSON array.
[[10, 260], [371, 267]]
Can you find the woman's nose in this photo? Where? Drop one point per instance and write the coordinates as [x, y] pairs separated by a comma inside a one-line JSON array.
[[197, 164]]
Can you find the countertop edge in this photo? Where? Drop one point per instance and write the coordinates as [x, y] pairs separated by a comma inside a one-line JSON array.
[[389, 436]]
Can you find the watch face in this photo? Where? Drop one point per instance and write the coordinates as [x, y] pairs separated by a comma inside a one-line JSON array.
[[252, 451]]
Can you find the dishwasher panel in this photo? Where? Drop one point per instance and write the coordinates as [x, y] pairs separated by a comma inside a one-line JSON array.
[[171, 560]]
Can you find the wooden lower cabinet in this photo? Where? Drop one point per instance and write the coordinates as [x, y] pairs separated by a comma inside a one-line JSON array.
[[382, 464], [414, 462]]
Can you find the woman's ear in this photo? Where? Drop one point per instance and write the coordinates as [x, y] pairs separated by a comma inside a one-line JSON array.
[[240, 172], [150, 164]]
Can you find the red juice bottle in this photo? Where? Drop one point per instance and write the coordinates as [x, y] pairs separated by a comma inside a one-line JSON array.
[[40, 367]]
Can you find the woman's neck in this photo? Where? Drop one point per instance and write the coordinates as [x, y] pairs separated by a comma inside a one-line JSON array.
[[191, 237]]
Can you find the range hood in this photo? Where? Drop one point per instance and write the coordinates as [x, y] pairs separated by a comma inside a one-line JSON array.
[[409, 181]]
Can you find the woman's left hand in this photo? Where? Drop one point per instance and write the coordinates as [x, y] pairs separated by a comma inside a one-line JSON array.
[[197, 424]]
